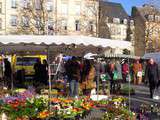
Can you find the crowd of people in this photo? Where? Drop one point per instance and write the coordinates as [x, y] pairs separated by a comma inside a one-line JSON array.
[[87, 74]]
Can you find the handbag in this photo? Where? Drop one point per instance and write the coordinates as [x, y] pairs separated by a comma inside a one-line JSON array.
[[128, 78], [156, 94], [105, 77], [115, 75], [139, 74]]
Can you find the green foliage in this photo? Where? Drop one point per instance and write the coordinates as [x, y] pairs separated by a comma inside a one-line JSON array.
[[29, 108]]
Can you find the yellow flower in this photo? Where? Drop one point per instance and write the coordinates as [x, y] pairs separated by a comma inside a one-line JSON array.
[[43, 114]]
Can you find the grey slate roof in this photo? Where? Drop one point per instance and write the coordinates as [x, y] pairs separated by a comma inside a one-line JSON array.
[[114, 10]]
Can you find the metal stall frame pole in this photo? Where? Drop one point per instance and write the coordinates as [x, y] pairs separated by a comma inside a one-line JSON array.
[[98, 82], [129, 85], [98, 86], [50, 87], [49, 80]]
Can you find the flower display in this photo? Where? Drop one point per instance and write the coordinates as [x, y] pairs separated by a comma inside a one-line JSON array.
[[70, 108], [116, 108], [27, 105], [22, 105]]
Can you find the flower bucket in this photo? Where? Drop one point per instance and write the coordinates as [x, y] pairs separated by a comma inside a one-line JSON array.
[[3, 116]]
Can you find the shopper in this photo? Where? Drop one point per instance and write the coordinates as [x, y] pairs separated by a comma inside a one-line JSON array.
[[45, 72], [38, 76], [7, 73], [125, 70], [137, 72], [97, 66], [151, 73], [88, 76], [73, 72], [111, 72]]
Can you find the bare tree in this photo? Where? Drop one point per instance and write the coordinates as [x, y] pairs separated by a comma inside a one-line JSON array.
[[37, 17], [33, 17], [90, 15], [152, 26]]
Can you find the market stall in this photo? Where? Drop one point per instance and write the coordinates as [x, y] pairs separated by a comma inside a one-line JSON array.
[[44, 44]]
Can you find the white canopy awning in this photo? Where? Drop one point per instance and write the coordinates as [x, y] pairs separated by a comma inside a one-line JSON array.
[[66, 40]]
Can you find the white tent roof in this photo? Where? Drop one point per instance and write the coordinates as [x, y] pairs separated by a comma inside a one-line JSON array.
[[155, 56], [66, 40]]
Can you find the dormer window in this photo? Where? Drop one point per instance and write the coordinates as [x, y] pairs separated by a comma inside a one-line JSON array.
[[125, 21], [157, 18], [150, 17], [116, 20], [131, 22]]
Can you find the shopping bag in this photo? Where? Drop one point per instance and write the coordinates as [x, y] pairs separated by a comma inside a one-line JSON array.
[[105, 77], [115, 75], [128, 78], [156, 94], [139, 74]]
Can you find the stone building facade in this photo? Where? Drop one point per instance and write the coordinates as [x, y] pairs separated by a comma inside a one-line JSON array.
[[147, 29], [59, 17]]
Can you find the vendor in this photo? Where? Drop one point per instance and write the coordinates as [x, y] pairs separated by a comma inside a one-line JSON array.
[[88, 75]]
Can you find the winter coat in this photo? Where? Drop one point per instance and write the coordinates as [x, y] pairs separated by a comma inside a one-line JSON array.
[[73, 70], [125, 69], [88, 83], [151, 73], [137, 67]]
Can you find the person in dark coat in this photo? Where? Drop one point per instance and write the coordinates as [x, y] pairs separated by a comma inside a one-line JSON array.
[[151, 73], [38, 73], [73, 72], [7, 72], [45, 72]]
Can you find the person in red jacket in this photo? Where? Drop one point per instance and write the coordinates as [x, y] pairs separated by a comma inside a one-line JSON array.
[[125, 70]]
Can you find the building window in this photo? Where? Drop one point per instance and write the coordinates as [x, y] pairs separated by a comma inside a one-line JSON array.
[[37, 24], [64, 24], [124, 32], [116, 20], [77, 9], [25, 4], [0, 7], [91, 26], [49, 6], [77, 25], [157, 18], [37, 4], [90, 10], [13, 3], [25, 21], [150, 17], [14, 20], [64, 8], [0, 23], [50, 24]]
